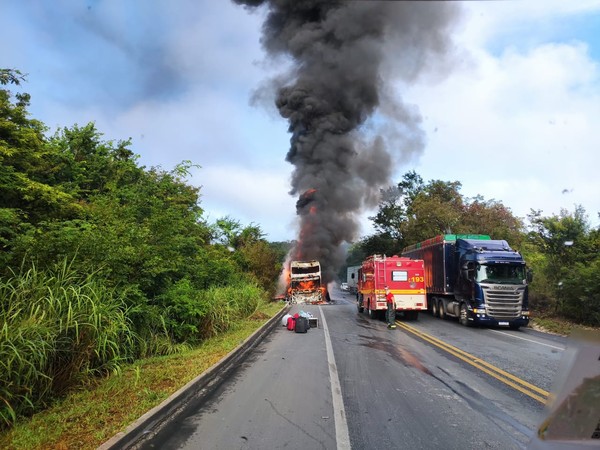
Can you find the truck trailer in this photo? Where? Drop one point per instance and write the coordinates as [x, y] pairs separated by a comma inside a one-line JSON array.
[[403, 276], [479, 280]]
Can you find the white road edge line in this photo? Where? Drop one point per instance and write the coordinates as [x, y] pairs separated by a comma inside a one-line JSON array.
[[525, 339], [342, 437]]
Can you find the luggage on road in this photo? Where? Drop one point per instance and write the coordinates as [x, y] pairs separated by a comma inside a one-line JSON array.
[[284, 320], [301, 325], [291, 323]]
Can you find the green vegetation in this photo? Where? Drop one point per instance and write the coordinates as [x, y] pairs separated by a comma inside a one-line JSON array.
[[104, 262], [552, 324], [58, 328], [102, 407]]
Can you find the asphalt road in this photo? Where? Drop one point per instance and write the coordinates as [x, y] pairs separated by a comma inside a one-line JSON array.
[[373, 388]]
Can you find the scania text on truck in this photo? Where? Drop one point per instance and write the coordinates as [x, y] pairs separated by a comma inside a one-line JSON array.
[[404, 276], [479, 280]]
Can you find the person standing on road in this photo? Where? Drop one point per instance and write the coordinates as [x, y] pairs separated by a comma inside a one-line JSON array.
[[391, 308]]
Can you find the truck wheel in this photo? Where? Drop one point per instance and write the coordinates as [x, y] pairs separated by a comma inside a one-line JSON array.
[[435, 308], [464, 316], [372, 313], [442, 310], [359, 302]]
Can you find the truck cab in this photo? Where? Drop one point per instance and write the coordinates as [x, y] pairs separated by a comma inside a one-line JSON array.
[[491, 283]]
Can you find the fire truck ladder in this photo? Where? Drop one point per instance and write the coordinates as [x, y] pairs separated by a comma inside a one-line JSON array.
[[380, 273]]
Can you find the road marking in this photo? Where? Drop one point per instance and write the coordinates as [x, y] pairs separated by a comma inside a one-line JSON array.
[[525, 339], [342, 437], [507, 378]]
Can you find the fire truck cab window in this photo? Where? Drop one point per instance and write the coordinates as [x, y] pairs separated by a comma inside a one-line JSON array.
[[399, 275]]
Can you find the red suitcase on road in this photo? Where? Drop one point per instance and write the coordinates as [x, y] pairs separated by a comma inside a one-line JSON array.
[[291, 323]]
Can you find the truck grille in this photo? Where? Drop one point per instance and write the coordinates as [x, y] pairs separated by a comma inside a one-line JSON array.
[[505, 303]]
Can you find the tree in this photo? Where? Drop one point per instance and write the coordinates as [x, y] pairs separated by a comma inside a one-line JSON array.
[[225, 231], [571, 257], [395, 205], [491, 217], [413, 211], [437, 209], [260, 260], [27, 194], [559, 237]]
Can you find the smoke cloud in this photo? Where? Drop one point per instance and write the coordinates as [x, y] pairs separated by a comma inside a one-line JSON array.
[[349, 127]]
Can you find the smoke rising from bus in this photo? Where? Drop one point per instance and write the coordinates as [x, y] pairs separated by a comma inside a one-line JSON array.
[[349, 126]]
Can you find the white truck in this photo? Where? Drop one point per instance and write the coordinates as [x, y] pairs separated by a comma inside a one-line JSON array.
[[352, 279]]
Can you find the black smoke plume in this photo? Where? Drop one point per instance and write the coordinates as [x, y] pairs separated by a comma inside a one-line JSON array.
[[345, 57]]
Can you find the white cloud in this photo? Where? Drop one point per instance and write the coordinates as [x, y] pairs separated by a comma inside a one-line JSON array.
[[485, 21], [519, 126], [250, 196]]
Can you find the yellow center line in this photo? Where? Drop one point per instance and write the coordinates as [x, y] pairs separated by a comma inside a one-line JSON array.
[[501, 375]]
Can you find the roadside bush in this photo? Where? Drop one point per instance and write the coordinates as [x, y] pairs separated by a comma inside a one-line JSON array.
[[229, 304], [192, 315], [59, 328], [579, 296]]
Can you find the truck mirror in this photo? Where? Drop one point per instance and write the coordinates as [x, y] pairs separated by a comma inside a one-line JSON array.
[[469, 265], [529, 275], [468, 270]]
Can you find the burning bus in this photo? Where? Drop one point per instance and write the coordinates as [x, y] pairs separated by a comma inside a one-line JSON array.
[[305, 282]]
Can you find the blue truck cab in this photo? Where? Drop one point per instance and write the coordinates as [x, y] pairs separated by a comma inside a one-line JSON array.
[[479, 280]]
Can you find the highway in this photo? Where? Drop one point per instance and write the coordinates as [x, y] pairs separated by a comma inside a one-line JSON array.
[[352, 383]]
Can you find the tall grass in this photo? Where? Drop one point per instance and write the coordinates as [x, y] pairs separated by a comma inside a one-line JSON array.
[[58, 328], [193, 315], [228, 305]]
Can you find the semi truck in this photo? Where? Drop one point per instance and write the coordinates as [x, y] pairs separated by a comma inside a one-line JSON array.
[[352, 279], [403, 276], [305, 283], [472, 277]]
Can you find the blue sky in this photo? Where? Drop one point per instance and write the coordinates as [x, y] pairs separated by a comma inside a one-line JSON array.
[[515, 119]]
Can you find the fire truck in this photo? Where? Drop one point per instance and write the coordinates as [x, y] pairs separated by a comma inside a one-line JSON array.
[[405, 278]]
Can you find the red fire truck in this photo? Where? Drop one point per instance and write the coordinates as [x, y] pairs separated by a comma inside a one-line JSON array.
[[404, 276]]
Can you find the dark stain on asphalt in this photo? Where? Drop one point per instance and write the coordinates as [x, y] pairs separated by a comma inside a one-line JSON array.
[[364, 322], [395, 351]]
